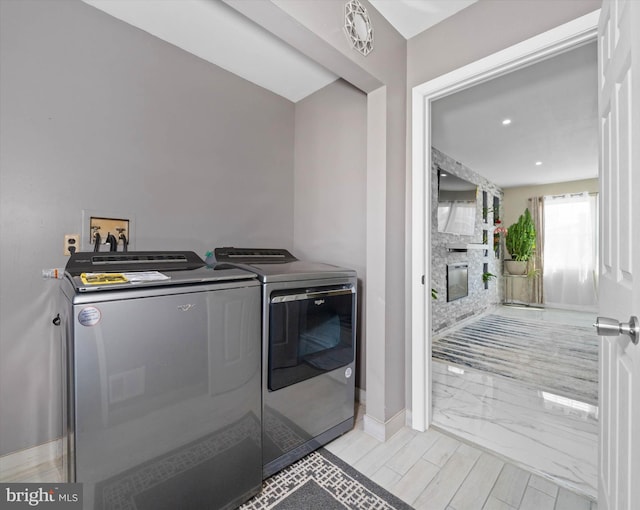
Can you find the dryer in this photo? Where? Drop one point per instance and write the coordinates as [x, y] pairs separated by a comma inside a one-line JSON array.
[[308, 349]]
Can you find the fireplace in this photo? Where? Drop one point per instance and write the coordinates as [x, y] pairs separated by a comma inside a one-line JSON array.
[[457, 281]]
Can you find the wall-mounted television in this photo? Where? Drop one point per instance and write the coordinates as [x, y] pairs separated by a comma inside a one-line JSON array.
[[456, 204]]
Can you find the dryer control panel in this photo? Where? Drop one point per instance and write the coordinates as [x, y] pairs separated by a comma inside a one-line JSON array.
[[230, 254]]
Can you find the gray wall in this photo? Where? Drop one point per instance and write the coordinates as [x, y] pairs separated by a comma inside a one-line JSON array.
[[483, 28], [123, 88], [330, 193], [98, 115], [386, 65]]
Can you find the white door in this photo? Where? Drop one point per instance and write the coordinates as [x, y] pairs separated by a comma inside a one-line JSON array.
[[619, 87]]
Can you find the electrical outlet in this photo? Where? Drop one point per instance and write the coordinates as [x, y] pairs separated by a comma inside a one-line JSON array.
[[71, 243]]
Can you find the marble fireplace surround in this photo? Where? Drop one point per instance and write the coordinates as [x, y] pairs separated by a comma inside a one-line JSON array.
[[448, 313]]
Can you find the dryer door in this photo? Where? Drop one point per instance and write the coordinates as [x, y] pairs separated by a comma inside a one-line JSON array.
[[311, 332]]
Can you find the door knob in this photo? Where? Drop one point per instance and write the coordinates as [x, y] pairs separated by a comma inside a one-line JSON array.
[[611, 327]]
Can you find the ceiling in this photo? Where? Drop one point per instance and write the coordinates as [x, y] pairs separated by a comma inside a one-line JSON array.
[[208, 29], [217, 33], [410, 17], [552, 107]]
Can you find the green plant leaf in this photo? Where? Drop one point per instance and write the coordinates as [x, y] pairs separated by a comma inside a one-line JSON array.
[[521, 238], [487, 276]]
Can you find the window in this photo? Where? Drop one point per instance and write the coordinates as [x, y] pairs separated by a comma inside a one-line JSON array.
[[570, 250]]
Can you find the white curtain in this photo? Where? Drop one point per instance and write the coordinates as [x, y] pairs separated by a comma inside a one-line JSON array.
[[536, 207], [570, 251]]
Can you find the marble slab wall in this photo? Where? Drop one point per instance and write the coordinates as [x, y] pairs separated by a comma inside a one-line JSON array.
[[445, 314]]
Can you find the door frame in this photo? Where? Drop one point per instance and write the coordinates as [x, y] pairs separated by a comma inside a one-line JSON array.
[[568, 36]]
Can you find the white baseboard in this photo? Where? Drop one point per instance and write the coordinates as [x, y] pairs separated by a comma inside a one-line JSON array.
[[408, 418], [383, 431], [23, 460]]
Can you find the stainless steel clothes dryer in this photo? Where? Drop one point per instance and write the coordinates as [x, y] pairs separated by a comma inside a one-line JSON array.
[[163, 400], [309, 342]]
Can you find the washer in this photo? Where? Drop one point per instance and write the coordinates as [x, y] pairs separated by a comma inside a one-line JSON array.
[[309, 345], [163, 390]]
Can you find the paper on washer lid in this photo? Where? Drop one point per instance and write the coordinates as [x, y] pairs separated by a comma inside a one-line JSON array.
[[146, 276]]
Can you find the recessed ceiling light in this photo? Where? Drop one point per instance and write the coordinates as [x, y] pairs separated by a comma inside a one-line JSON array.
[[506, 122], [538, 163], [442, 174]]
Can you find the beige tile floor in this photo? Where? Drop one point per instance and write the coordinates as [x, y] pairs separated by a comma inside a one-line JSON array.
[[435, 471], [50, 471]]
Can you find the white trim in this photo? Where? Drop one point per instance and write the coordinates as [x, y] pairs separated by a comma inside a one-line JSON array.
[[376, 261], [540, 47], [408, 418], [383, 431], [420, 256], [18, 462]]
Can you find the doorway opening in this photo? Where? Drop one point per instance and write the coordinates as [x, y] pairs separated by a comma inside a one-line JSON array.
[[557, 41]]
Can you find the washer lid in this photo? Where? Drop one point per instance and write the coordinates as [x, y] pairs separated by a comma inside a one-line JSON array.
[[90, 272], [278, 265], [297, 270], [143, 279]]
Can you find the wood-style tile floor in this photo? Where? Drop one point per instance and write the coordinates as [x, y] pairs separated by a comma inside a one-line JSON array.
[[435, 471]]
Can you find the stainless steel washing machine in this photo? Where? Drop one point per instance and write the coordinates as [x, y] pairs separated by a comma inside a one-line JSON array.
[[309, 343], [163, 400]]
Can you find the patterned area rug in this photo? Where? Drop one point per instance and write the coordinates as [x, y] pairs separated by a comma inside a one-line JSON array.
[[557, 358], [321, 481]]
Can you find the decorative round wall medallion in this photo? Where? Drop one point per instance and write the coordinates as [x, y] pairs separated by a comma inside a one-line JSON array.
[[357, 27]]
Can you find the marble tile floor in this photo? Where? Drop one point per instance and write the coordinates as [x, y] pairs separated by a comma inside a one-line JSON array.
[[551, 435], [434, 470], [559, 358], [569, 317]]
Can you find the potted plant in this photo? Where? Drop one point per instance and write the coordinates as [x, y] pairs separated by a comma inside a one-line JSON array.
[[486, 277], [520, 242]]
